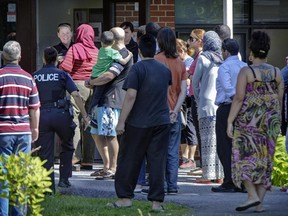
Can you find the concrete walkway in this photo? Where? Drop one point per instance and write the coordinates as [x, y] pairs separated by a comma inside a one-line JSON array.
[[196, 196]]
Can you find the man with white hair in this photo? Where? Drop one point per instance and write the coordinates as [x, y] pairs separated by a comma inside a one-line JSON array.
[[19, 112]]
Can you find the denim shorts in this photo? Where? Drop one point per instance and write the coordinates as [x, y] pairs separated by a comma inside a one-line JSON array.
[[104, 121]]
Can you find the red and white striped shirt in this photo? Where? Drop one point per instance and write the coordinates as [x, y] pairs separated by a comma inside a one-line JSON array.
[[18, 94]]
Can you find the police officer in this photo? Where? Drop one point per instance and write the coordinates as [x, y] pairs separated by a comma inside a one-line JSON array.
[[56, 115], [65, 34]]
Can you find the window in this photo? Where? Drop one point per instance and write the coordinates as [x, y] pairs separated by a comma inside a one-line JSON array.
[[198, 11], [240, 11], [270, 11], [208, 12]]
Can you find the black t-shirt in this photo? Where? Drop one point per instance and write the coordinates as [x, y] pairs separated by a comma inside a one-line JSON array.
[[52, 83], [151, 79], [133, 47], [62, 49]]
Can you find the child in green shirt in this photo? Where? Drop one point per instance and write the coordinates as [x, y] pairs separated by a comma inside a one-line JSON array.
[[107, 55]]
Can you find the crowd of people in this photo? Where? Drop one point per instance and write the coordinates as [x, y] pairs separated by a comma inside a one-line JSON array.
[[126, 99]]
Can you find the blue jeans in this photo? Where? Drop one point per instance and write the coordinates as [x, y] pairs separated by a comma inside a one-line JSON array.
[[12, 144], [142, 174], [172, 164]]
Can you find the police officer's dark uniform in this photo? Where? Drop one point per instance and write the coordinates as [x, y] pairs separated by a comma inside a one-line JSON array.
[[62, 49], [55, 117]]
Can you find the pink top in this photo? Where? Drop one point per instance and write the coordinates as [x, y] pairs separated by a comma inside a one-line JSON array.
[[192, 70]]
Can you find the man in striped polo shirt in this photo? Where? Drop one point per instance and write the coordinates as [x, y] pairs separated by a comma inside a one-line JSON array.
[[19, 111]]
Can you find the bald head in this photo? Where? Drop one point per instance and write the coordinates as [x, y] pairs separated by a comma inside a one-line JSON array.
[[119, 34], [223, 31]]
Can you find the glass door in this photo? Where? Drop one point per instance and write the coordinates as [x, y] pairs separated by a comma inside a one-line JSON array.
[[7, 22]]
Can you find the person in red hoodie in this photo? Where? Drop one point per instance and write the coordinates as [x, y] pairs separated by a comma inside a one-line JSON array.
[[78, 62]]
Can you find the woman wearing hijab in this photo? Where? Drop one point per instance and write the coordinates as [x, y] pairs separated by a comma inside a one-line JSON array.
[[78, 62], [204, 88]]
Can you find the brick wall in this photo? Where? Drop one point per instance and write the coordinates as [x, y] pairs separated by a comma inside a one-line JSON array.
[[162, 12], [126, 12]]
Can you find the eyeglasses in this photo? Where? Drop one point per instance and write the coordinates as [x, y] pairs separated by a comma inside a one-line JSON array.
[[192, 39]]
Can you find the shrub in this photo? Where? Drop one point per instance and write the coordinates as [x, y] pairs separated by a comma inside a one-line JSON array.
[[26, 180], [280, 168]]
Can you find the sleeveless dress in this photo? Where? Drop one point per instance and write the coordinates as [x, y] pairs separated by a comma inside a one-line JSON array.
[[255, 132]]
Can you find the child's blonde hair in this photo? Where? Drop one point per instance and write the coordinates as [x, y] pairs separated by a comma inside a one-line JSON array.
[[183, 45]]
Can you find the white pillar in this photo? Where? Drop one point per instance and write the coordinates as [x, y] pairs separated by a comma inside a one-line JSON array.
[[228, 14]]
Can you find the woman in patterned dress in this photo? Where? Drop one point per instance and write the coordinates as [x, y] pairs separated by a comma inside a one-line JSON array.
[[254, 122]]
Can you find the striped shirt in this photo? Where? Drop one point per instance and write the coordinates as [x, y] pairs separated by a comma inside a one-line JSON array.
[[18, 94], [79, 70]]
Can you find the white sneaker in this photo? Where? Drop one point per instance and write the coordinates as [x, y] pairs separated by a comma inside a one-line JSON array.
[[138, 189]]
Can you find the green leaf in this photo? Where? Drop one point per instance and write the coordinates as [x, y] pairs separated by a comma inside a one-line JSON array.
[[27, 180]]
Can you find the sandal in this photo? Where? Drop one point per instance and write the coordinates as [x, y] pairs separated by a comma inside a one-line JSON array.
[[203, 181], [98, 173], [159, 209], [217, 181], [115, 205], [106, 175], [247, 206]]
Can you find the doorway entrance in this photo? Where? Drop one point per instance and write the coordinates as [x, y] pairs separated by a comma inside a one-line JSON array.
[[18, 22], [7, 22]]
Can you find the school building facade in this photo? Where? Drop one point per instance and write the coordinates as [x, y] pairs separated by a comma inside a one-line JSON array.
[[35, 21]]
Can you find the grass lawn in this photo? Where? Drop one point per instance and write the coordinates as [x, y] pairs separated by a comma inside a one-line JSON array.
[[64, 205]]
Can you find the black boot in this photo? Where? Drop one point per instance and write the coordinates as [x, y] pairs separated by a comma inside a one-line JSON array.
[[63, 182]]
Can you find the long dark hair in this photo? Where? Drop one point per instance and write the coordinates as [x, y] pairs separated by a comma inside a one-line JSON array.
[[167, 42]]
